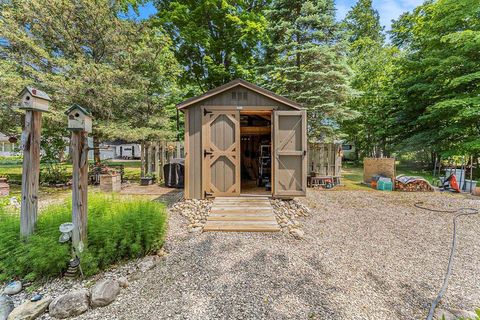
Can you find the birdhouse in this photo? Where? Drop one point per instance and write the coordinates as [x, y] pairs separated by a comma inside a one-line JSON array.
[[34, 99], [79, 119]]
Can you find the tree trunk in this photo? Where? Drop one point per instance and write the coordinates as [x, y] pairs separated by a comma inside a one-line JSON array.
[[96, 150]]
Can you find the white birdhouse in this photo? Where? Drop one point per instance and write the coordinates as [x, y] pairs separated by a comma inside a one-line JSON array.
[[79, 119], [34, 99]]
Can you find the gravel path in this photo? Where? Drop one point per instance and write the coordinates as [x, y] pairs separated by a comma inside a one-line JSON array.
[[365, 255]]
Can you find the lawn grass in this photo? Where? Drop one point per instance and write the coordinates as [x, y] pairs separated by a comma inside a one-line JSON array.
[[14, 170], [352, 175]]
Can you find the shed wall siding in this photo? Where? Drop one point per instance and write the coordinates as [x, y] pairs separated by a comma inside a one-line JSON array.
[[194, 175], [253, 99]]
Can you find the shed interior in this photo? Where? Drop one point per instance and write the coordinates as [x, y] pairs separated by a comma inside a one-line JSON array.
[[256, 152]]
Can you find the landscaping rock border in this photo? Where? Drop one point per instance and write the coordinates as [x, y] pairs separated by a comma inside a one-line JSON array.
[[287, 213], [6, 306], [30, 309], [195, 211], [72, 297]]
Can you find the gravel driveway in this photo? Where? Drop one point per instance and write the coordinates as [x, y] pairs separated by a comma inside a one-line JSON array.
[[365, 255]]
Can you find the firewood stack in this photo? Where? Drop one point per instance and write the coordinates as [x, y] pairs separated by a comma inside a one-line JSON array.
[[412, 184]]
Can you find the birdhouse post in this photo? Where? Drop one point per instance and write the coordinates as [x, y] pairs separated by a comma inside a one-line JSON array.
[[80, 124], [34, 102]]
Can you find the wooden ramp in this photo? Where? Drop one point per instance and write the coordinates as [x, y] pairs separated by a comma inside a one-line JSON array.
[[242, 214]]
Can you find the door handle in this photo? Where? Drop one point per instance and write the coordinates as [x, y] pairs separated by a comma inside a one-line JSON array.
[[205, 153], [304, 152]]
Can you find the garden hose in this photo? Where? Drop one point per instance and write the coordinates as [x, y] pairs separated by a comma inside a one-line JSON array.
[[461, 212]]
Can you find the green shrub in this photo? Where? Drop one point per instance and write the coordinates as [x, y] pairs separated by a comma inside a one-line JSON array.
[[53, 173], [10, 160], [118, 229]]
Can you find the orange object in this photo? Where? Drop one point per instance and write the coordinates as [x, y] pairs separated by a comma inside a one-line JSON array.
[[454, 183], [373, 184]]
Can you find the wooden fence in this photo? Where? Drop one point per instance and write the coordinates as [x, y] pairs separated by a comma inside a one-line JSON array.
[[155, 155], [325, 159]]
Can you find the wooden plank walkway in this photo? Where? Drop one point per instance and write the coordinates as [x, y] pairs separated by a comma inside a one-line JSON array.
[[242, 214]]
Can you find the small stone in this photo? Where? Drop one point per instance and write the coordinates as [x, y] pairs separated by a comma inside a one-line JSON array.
[[104, 293], [36, 297], [13, 287], [297, 233], [123, 282], [161, 252], [148, 262], [444, 314], [71, 304], [6, 306], [464, 314], [195, 230], [30, 310]]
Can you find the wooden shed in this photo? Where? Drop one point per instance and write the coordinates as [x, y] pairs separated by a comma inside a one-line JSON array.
[[241, 139]]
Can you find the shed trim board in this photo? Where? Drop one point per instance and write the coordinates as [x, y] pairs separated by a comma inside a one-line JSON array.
[[213, 136], [186, 183]]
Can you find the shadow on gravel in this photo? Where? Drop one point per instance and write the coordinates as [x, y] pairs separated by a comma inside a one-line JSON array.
[[268, 286]]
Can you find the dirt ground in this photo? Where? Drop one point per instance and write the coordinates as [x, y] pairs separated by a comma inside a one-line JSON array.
[[365, 255]]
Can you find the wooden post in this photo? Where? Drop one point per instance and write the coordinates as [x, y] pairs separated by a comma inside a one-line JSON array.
[[31, 172], [150, 158], [162, 158], [142, 159], [179, 153], [79, 186], [157, 163]]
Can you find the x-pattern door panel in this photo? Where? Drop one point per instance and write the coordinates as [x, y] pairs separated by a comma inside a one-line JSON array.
[[221, 152], [290, 150]]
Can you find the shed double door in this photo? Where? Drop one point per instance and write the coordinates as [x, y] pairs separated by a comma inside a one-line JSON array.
[[221, 151]]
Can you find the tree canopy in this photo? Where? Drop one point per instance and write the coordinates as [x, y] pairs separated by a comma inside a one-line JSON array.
[[84, 52], [415, 90]]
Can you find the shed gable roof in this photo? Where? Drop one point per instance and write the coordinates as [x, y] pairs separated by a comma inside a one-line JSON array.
[[242, 83]]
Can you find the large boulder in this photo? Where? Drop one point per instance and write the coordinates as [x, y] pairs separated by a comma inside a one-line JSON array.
[[30, 310], [71, 304], [13, 287], [104, 292], [6, 306]]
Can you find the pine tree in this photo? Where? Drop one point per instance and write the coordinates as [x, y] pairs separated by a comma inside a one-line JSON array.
[[306, 61], [362, 21], [371, 62]]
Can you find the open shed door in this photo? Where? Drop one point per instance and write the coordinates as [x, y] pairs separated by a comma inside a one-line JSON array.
[[290, 153], [221, 152]]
